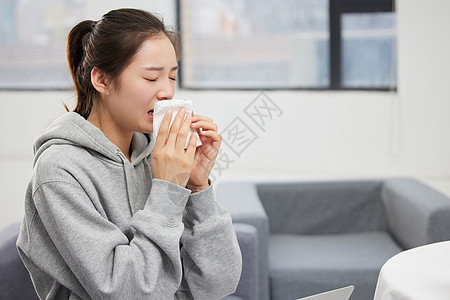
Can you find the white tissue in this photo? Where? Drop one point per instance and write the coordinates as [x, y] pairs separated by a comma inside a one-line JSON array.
[[160, 109]]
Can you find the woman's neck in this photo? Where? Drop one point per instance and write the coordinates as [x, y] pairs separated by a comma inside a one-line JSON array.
[[120, 138]]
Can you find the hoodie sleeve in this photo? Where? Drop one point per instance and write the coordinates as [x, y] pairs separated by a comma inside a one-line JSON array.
[[211, 255], [101, 257]]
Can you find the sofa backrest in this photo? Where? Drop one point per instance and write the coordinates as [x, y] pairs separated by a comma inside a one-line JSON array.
[[323, 207]]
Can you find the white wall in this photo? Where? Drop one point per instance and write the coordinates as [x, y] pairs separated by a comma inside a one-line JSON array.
[[320, 134], [424, 64]]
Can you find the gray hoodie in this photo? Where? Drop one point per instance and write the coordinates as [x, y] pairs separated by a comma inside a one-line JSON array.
[[98, 226]]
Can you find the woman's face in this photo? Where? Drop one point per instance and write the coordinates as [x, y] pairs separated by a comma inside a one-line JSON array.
[[150, 77]]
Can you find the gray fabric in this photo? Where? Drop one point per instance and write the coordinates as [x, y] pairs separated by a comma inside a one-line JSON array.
[[242, 201], [15, 282], [305, 265], [98, 226], [247, 236], [324, 207], [417, 214]]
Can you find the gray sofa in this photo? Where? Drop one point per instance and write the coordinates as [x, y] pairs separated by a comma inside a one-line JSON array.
[[320, 235], [15, 282]]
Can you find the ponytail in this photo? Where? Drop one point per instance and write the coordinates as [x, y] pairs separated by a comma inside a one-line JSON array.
[[80, 66]]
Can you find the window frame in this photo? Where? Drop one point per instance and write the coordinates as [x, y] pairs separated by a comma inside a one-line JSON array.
[[336, 9]]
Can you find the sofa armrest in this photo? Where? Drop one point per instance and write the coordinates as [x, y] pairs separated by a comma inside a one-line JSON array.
[[417, 214], [242, 202], [247, 236], [15, 281]]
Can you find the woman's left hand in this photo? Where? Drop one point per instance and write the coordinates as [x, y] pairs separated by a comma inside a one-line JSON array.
[[206, 154]]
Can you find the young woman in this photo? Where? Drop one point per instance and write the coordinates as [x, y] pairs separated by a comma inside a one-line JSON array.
[[108, 213]]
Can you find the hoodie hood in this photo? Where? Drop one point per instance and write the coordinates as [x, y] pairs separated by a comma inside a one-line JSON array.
[[73, 129]]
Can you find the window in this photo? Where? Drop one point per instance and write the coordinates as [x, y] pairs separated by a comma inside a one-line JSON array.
[[32, 42], [368, 50], [264, 43], [33, 38], [291, 44], [229, 44]]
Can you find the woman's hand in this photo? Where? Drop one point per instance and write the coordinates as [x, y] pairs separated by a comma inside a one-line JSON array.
[[170, 161], [206, 154]]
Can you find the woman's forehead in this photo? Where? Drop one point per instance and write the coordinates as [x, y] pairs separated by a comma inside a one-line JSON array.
[[156, 52]]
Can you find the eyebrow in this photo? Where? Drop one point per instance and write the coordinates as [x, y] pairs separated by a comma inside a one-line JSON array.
[[159, 68]]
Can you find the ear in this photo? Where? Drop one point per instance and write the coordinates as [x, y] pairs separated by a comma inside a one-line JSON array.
[[99, 81]]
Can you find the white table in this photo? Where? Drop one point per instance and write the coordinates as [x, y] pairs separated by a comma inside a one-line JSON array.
[[421, 273]]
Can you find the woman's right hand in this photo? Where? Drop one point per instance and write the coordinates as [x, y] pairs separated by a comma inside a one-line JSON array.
[[170, 161]]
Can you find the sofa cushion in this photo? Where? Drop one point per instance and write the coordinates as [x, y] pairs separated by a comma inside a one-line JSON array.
[[303, 265]]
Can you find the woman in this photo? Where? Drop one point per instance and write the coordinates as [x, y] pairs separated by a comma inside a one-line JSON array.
[[107, 214]]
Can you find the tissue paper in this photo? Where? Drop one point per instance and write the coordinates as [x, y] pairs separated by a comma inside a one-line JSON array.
[[160, 109]]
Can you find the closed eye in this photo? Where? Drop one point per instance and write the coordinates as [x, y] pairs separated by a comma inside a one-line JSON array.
[[153, 80]]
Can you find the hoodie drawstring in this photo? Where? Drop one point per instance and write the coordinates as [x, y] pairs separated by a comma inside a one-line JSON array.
[[131, 188]]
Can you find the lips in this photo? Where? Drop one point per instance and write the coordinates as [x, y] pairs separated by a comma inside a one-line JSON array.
[[150, 114]]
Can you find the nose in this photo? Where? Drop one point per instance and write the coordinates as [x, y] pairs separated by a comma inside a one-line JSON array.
[[166, 91]]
